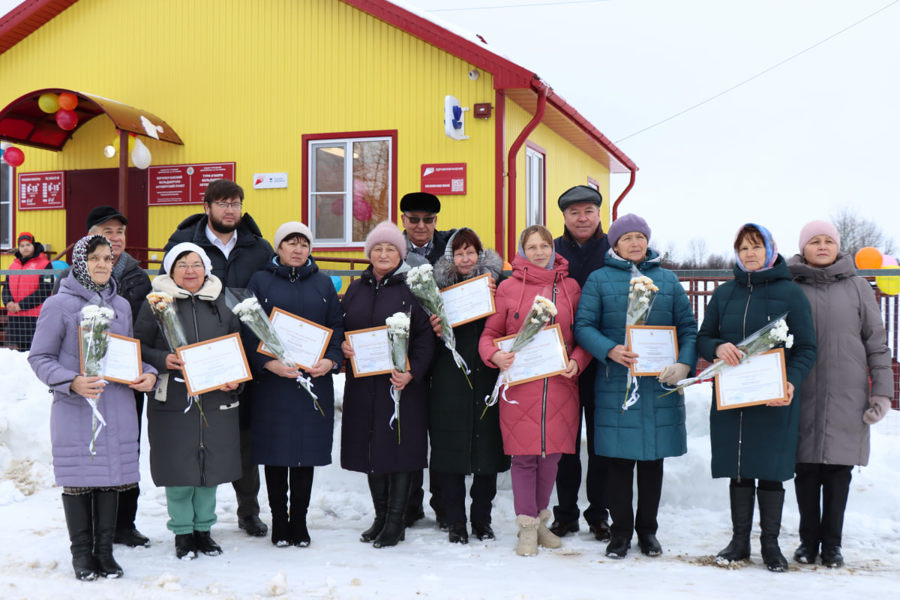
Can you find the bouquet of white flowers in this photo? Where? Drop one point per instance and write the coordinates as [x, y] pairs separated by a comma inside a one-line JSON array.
[[772, 335], [542, 310], [398, 337], [641, 294], [421, 283], [252, 314], [93, 328]]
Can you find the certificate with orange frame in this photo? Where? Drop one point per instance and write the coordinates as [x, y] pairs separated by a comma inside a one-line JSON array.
[[304, 341], [758, 379], [371, 351], [656, 347], [211, 364], [468, 301], [544, 356]]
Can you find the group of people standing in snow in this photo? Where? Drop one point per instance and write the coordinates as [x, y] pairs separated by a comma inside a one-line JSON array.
[[815, 435]]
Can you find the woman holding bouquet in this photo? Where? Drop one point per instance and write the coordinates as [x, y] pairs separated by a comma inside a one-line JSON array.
[[837, 404], [651, 428], [538, 419], [371, 441], [291, 431], [756, 442], [90, 480], [462, 443], [193, 441]]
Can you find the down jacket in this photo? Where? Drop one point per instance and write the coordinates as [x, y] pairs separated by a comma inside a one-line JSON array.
[[757, 442], [545, 420], [54, 357], [185, 450], [29, 291], [852, 347], [368, 443], [287, 429], [653, 427]]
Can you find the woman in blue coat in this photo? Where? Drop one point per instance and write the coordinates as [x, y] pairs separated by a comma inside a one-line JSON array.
[[653, 427], [290, 434], [756, 442]]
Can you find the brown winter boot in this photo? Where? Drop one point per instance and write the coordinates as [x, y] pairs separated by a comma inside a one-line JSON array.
[[545, 537], [528, 536]]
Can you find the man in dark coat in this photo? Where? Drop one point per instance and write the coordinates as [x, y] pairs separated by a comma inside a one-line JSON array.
[[237, 250], [584, 245], [424, 244]]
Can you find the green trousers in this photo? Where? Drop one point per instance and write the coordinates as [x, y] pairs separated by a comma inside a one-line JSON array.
[[190, 508]]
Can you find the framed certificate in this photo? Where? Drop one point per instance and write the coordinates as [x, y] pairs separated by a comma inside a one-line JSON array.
[[544, 356], [757, 380], [371, 351], [122, 361], [469, 300], [304, 341], [211, 364], [656, 347]]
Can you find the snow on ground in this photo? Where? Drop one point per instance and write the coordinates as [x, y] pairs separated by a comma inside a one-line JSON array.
[[694, 525]]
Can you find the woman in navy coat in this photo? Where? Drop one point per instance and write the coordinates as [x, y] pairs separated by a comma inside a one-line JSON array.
[[291, 432]]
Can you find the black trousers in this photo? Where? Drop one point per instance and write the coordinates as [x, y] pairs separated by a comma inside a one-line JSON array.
[[822, 492], [620, 478], [128, 500], [246, 489], [453, 497]]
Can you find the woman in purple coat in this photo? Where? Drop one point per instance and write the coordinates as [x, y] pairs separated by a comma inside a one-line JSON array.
[[91, 475]]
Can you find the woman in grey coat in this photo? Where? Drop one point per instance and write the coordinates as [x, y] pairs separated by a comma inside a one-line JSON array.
[[91, 474], [190, 453], [837, 403]]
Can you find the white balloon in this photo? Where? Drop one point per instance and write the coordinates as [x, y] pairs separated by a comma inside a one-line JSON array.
[[140, 156], [109, 151]]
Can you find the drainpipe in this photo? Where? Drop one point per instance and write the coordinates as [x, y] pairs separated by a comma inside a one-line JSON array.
[[543, 92], [615, 208]]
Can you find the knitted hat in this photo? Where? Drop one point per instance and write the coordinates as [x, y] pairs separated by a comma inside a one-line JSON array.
[[386, 232], [179, 249], [290, 228], [626, 224], [420, 201], [578, 194], [814, 228], [25, 236]]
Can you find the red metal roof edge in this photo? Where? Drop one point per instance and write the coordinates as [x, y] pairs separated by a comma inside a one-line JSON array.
[[26, 18]]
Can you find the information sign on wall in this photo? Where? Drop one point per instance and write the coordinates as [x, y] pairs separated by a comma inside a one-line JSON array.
[[170, 185], [42, 191], [444, 178]]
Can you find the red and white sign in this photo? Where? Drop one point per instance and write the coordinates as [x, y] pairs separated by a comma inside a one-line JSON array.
[[444, 179], [171, 185], [42, 191]]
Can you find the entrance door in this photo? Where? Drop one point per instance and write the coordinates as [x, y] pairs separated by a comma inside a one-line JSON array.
[[89, 189]]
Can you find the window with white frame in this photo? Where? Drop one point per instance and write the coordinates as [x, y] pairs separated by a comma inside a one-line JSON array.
[[534, 187], [349, 188], [6, 206]]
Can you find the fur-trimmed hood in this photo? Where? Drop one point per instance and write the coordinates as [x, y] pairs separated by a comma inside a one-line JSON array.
[[446, 274]]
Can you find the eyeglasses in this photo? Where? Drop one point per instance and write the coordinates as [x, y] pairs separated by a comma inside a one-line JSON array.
[[185, 266], [226, 205], [415, 220]]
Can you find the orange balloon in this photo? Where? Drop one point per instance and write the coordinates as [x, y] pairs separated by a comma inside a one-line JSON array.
[[68, 101], [868, 258]]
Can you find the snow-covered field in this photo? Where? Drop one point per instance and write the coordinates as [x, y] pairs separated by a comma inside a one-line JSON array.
[[694, 525]]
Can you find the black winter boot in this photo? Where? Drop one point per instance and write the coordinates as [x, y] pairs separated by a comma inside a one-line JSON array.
[[771, 503], [301, 490], [378, 487], [126, 533], [81, 535], [742, 500], [105, 506], [394, 529], [277, 490]]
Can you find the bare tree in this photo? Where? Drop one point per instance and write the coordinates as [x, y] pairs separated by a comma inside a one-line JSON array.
[[857, 232]]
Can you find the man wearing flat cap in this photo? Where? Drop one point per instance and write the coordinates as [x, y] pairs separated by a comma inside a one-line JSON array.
[[584, 244]]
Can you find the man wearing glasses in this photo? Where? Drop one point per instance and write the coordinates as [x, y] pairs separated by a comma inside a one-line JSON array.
[[419, 215], [237, 250]]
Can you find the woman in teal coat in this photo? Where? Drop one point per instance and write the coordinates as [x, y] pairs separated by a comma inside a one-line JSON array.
[[653, 427], [757, 442]]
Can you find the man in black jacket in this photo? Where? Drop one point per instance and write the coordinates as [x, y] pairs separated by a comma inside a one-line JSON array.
[[584, 245], [237, 250]]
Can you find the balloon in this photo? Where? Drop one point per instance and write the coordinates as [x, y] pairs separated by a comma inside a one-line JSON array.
[[338, 282], [14, 156], [362, 210], [109, 151], [68, 101], [140, 156], [868, 258], [66, 119], [59, 265], [131, 138], [889, 285], [49, 103], [337, 206], [507, 266], [888, 260]]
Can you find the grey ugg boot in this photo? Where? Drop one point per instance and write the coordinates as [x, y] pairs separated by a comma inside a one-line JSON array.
[[545, 537], [528, 536]]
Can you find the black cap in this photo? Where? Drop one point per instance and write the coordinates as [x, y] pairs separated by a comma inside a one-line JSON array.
[[577, 194], [102, 214], [420, 201]]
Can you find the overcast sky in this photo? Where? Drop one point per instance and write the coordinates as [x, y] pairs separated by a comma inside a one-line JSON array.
[[799, 142]]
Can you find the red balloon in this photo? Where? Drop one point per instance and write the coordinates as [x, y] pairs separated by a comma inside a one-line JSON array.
[[68, 101], [66, 119], [362, 210], [14, 156]]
